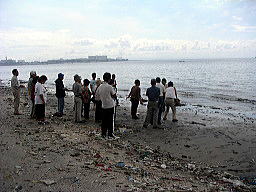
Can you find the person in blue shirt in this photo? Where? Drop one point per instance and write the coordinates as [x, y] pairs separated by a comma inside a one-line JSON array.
[[153, 94]]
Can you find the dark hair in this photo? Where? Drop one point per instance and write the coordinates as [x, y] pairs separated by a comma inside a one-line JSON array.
[[137, 82], [164, 80], [153, 81], [35, 79], [106, 76], [170, 84], [111, 82], [93, 74], [158, 80], [14, 71], [113, 76], [42, 78], [86, 82]]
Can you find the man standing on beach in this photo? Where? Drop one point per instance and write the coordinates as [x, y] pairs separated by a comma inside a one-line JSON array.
[[60, 94], [15, 85], [93, 86], [31, 89], [77, 90], [161, 99], [153, 94], [106, 94]]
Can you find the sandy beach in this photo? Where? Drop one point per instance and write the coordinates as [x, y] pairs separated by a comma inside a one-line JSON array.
[[198, 153]]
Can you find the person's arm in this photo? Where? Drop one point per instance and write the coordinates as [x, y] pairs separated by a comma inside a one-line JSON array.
[[175, 92], [129, 94], [140, 98], [42, 98], [40, 93], [113, 93]]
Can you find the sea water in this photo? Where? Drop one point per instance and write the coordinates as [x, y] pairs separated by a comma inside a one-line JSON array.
[[217, 86]]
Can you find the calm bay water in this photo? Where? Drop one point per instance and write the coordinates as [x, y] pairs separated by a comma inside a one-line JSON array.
[[221, 86]]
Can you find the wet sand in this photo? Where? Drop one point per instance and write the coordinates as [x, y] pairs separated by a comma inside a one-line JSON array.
[[198, 153]]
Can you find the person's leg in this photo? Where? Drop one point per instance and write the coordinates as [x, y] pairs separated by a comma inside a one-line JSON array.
[[97, 111], [60, 105], [104, 122], [149, 114], [160, 109], [36, 112], [79, 109], [173, 107], [76, 110], [32, 114], [86, 110], [155, 114], [135, 104], [43, 112], [16, 95], [110, 124], [167, 104]]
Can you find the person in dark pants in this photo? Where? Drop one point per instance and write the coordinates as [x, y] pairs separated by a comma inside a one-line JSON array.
[[40, 99], [164, 82], [32, 96], [60, 94], [106, 94], [135, 98], [161, 99], [152, 109], [98, 103], [86, 98]]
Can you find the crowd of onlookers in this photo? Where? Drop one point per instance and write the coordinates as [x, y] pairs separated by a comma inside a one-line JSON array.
[[102, 93]]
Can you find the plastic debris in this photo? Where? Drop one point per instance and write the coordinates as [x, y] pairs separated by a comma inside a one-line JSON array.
[[120, 164], [47, 181]]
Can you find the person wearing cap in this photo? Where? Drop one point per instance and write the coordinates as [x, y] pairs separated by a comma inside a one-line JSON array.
[[31, 90], [60, 93], [77, 90], [153, 94]]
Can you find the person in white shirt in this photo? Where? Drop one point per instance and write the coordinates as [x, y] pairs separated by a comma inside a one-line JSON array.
[[40, 99], [93, 87], [161, 99], [106, 94], [170, 95], [15, 85]]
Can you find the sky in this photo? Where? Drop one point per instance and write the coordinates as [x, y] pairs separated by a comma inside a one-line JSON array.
[[133, 29]]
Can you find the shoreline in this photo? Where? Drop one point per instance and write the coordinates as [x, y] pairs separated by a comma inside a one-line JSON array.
[[73, 156]]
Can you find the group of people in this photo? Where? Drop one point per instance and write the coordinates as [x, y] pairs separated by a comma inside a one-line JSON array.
[[161, 97]]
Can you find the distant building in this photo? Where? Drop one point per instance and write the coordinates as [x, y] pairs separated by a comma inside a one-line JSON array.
[[98, 58], [8, 62]]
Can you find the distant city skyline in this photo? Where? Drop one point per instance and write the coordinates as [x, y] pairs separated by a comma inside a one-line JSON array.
[[147, 29]]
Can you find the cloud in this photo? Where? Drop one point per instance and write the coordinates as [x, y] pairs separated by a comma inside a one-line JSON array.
[[85, 42], [244, 28], [33, 44], [236, 18]]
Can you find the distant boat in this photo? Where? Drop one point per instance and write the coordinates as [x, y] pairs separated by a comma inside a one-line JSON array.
[[181, 61]]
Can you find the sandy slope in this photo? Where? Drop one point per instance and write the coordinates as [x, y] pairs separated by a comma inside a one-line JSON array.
[[64, 156]]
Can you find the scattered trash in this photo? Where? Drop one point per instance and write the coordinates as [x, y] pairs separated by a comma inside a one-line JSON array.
[[18, 188], [163, 166], [47, 181], [191, 166], [97, 155], [120, 164]]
